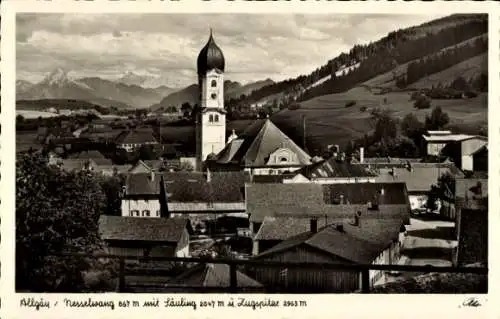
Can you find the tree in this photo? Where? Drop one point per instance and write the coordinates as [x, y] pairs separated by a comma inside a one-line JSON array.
[[386, 127], [411, 126], [460, 84], [56, 212], [112, 187], [186, 109], [422, 102], [437, 120]]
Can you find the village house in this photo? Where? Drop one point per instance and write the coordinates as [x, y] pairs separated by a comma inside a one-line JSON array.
[[326, 201], [471, 223], [356, 242], [70, 165], [419, 177], [93, 155], [204, 196], [215, 277], [145, 237], [335, 169], [54, 135], [133, 139], [262, 149], [459, 147], [141, 195], [464, 151], [111, 170]]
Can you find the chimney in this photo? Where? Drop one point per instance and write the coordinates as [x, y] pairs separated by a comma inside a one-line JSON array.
[[340, 228], [209, 175], [357, 216], [361, 154], [314, 225]]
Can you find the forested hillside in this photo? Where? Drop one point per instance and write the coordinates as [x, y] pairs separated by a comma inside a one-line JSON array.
[[397, 48]]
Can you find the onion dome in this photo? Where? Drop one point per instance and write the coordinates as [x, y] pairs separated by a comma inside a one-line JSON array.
[[210, 57]]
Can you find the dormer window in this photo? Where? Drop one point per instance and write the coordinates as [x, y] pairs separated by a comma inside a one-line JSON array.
[[213, 96], [214, 83]]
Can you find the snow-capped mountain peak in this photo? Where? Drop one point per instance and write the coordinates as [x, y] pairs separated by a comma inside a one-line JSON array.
[[57, 77]]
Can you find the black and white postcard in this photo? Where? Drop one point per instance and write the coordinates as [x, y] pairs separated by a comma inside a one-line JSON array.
[[201, 160]]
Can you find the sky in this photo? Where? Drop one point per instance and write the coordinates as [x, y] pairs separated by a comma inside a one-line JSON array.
[[256, 46]]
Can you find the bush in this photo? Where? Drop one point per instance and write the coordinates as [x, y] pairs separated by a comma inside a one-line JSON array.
[[350, 103], [422, 102]]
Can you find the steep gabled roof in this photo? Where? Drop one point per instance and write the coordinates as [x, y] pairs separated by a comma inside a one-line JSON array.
[[212, 275], [311, 199], [193, 187], [346, 244], [142, 228], [254, 146], [136, 136], [333, 168], [142, 184], [419, 176]]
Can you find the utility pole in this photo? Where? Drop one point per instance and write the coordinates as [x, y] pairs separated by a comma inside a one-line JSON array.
[[304, 132]]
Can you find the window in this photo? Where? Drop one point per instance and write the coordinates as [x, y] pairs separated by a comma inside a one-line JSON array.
[[283, 159], [216, 118], [213, 96], [211, 118], [134, 212], [158, 213], [214, 83], [145, 213]]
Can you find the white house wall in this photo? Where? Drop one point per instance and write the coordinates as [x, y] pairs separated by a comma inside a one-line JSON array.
[[141, 205]]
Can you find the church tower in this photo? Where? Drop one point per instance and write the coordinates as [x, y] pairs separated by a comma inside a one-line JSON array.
[[211, 115]]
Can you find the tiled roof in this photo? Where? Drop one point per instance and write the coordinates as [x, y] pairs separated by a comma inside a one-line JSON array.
[[362, 193], [212, 275], [271, 178], [120, 168], [142, 184], [387, 160], [193, 187], [419, 177], [311, 199], [137, 136], [93, 154], [142, 229], [351, 244], [334, 168], [254, 146], [374, 230], [281, 228]]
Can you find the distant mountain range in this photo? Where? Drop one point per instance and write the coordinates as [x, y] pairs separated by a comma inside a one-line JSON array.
[[190, 94], [58, 85], [130, 91]]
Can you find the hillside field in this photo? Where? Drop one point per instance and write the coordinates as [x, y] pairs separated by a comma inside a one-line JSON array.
[[328, 121]]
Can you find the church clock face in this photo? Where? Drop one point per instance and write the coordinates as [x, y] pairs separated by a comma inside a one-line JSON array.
[[213, 96]]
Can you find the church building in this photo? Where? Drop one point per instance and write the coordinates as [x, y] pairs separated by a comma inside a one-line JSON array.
[[262, 149]]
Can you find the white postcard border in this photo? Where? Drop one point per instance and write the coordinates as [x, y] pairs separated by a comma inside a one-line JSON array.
[[349, 305]]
